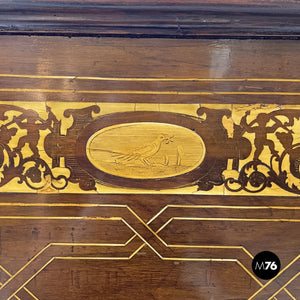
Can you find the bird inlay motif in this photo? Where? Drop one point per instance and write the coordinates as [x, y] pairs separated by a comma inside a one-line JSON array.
[[145, 152], [141, 153]]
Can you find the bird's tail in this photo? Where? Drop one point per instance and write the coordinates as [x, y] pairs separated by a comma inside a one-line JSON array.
[[109, 151], [119, 156]]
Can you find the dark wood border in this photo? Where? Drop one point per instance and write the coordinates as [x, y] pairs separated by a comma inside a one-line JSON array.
[[188, 178], [151, 19]]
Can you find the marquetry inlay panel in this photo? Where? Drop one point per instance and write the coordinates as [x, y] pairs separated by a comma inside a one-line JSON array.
[[148, 168], [218, 149]]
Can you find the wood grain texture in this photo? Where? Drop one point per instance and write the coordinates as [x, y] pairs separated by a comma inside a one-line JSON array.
[[180, 19], [149, 58], [153, 246]]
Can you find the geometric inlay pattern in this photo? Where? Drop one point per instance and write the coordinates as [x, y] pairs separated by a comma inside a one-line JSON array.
[[149, 235]]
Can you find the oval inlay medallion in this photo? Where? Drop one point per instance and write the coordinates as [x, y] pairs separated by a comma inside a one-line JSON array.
[[145, 150]]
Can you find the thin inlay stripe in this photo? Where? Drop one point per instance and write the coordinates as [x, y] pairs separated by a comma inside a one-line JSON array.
[[147, 79]]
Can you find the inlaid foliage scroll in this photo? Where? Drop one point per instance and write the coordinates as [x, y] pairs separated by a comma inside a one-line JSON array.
[[111, 147]]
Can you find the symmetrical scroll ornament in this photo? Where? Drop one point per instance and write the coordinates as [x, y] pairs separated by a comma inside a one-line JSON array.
[[150, 150], [32, 170], [284, 161]]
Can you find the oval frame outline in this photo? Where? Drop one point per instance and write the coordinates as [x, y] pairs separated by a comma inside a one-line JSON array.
[[187, 179], [113, 127]]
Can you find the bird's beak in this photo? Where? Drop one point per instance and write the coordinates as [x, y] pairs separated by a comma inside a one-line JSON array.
[[169, 139]]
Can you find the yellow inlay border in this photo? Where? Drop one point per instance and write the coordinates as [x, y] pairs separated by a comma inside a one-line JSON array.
[[72, 77], [29, 292]]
